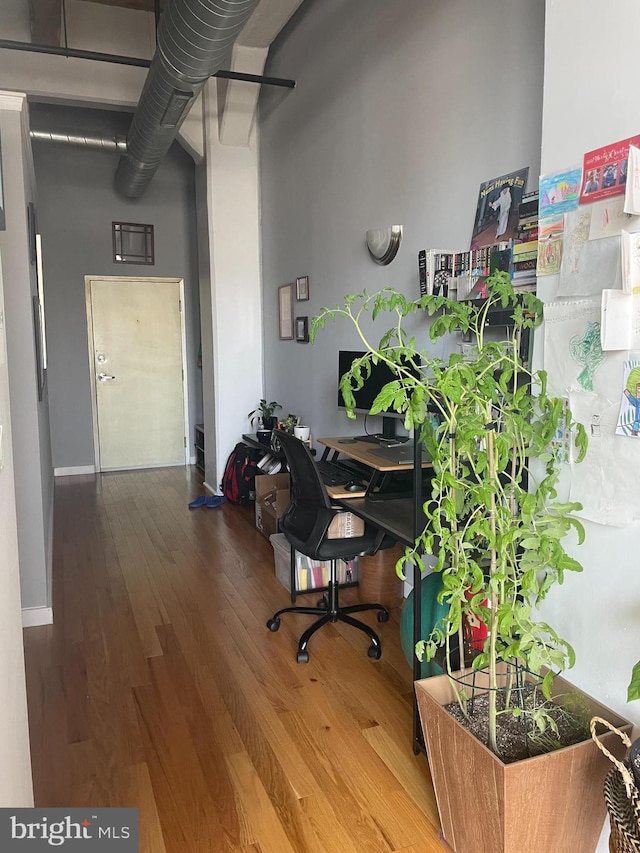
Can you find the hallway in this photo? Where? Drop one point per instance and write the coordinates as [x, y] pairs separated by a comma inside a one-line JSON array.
[[159, 686]]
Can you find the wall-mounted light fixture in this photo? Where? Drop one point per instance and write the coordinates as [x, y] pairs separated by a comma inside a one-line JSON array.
[[383, 243]]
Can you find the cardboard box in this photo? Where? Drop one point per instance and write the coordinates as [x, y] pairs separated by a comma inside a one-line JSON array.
[[310, 574], [346, 525], [272, 499]]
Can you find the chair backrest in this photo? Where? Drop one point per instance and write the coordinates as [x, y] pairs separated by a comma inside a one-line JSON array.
[[309, 498], [306, 521], [307, 486]]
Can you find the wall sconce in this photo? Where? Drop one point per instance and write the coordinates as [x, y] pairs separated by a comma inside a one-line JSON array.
[[383, 243]]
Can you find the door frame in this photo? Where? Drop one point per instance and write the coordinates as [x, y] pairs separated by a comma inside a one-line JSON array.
[[88, 279]]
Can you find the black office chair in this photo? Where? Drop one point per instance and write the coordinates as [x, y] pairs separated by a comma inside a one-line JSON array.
[[305, 524]]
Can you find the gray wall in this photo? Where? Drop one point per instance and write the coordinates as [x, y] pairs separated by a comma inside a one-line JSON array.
[[76, 206], [29, 417], [401, 110]]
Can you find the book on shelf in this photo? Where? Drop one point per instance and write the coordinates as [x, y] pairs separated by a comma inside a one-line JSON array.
[[435, 267]]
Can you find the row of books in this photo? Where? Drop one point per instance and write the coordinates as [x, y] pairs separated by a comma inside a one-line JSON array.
[[524, 260], [527, 229], [462, 275]]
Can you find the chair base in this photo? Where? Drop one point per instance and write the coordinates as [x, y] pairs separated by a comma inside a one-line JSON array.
[[333, 613]]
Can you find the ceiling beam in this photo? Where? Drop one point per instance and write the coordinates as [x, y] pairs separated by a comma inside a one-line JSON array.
[[45, 19]]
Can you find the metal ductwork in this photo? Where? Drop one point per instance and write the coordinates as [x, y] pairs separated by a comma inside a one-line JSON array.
[[195, 38], [84, 140]]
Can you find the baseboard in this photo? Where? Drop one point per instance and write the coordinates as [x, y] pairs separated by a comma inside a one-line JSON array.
[[192, 460], [73, 472], [33, 616]]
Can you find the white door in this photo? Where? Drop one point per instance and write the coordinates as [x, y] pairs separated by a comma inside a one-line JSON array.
[[136, 352]]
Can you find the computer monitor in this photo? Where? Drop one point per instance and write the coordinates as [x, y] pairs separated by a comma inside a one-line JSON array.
[[381, 374]]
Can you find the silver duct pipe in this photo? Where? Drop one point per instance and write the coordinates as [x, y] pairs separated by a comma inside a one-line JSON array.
[[194, 39], [85, 140]]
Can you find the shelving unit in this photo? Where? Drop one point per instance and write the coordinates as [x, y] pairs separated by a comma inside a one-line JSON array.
[[199, 445]]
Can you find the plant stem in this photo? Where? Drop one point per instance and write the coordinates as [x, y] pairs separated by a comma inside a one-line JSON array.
[[493, 676]]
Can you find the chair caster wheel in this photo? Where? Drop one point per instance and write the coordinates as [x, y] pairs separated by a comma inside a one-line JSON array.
[[374, 652], [303, 657], [323, 603], [383, 615], [273, 624]]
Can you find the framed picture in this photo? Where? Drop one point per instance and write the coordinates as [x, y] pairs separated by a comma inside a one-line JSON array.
[[302, 288], [285, 312], [302, 330]]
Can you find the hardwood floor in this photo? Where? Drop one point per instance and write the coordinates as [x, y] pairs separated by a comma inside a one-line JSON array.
[[159, 686]]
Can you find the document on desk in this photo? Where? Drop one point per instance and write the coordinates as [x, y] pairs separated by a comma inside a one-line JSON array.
[[400, 455]]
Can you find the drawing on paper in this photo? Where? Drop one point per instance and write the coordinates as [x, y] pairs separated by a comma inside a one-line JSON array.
[[576, 234], [629, 417], [586, 350], [559, 192], [550, 235]]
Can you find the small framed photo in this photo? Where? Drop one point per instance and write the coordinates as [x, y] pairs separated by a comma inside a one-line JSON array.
[[302, 288], [302, 330], [285, 312]]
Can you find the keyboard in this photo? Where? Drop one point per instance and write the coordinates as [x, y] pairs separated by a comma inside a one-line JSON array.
[[334, 473]]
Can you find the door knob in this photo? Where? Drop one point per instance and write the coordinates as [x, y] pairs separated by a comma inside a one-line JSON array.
[[104, 377]]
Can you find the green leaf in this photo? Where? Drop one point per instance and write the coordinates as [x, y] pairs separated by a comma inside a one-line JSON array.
[[633, 690]]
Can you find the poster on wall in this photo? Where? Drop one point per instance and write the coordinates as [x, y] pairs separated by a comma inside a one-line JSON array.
[[604, 173], [497, 211]]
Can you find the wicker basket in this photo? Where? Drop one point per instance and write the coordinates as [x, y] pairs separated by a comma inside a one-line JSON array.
[[621, 796]]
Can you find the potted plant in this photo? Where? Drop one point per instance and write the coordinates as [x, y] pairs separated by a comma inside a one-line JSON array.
[[264, 414], [495, 526], [290, 422]]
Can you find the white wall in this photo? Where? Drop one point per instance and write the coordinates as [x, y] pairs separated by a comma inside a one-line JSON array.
[[30, 417], [15, 768], [236, 306], [590, 100], [400, 111]]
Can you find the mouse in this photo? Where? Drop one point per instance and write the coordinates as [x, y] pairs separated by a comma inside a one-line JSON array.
[[352, 486]]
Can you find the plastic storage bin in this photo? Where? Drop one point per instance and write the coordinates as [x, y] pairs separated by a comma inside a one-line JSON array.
[[310, 574]]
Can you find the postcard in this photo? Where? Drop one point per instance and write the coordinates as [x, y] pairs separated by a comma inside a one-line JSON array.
[[604, 173]]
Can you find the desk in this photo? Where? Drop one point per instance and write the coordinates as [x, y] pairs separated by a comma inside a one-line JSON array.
[[402, 518]]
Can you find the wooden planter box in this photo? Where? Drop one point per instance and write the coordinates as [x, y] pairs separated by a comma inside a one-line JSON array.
[[551, 803]]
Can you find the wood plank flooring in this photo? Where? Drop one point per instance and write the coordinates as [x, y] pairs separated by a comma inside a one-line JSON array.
[[159, 686]]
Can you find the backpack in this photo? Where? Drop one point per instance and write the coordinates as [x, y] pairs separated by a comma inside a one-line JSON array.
[[238, 481]]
